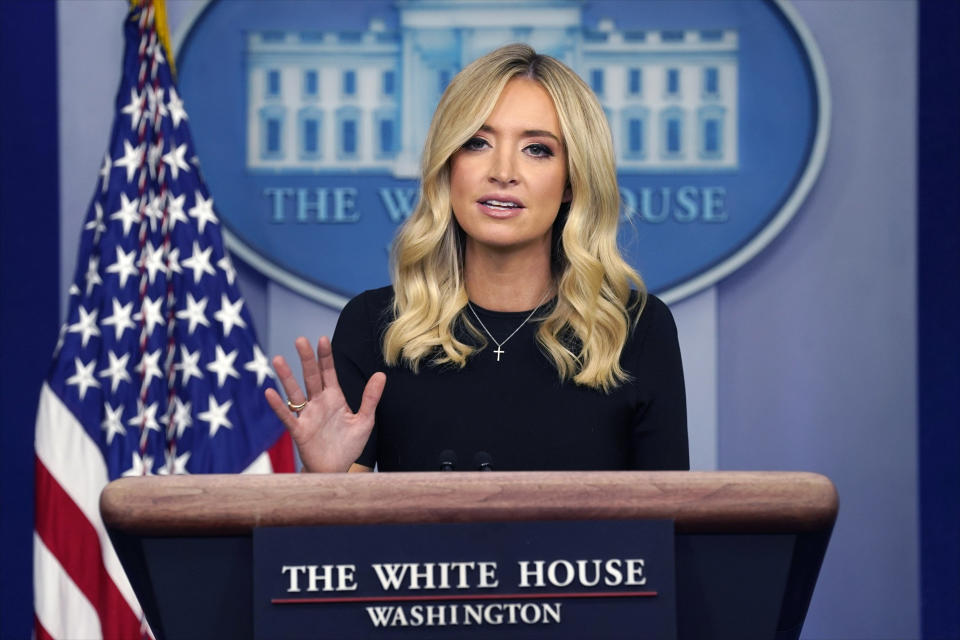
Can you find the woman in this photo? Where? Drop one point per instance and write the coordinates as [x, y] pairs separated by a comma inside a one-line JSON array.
[[513, 246]]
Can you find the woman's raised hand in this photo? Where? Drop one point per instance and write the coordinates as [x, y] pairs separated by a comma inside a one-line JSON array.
[[328, 435]]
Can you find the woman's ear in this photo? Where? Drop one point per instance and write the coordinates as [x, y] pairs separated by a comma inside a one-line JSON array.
[[567, 194]]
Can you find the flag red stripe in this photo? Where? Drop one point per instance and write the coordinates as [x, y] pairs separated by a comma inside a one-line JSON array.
[[281, 454], [39, 632], [73, 540]]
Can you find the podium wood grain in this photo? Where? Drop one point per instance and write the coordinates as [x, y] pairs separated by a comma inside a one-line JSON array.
[[718, 501]]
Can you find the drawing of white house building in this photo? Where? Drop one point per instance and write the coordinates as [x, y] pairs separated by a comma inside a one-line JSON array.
[[326, 101]]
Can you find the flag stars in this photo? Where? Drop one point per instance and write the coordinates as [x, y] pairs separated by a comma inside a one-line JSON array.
[[127, 213], [157, 53], [131, 159], [97, 223], [154, 211], [173, 261], [174, 465], [222, 365], [116, 370], [120, 320], [149, 368], [179, 464], [146, 417], [195, 313], [105, 172], [227, 266], [134, 109], [150, 314], [86, 326], [124, 267], [175, 212], [259, 365], [182, 418], [203, 211], [60, 337], [153, 261], [154, 153], [199, 262], [216, 415], [155, 107], [93, 273], [188, 365], [166, 423], [175, 105], [174, 159], [229, 314], [140, 466], [83, 376], [113, 422]]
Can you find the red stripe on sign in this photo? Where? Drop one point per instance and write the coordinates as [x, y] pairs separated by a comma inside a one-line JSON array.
[[71, 538], [281, 454], [484, 596], [39, 632]]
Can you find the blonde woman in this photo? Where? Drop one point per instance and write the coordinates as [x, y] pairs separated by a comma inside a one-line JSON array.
[[514, 336]]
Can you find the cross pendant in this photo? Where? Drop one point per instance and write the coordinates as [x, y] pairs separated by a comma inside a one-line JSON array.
[[498, 352]]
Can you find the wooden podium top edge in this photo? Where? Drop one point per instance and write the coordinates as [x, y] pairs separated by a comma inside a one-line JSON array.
[[698, 502]]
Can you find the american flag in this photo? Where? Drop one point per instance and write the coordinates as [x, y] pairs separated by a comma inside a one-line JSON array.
[[157, 370]]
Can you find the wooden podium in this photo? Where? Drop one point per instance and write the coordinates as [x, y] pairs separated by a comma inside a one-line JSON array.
[[748, 545]]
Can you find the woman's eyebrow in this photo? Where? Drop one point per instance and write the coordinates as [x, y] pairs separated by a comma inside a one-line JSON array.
[[527, 133]]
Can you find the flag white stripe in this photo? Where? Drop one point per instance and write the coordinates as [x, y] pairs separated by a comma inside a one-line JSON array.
[[75, 462], [59, 604], [261, 464]]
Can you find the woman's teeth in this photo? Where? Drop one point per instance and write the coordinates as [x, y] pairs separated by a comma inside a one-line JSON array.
[[500, 204]]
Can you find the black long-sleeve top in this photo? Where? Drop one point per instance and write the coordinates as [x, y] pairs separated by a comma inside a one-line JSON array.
[[516, 411]]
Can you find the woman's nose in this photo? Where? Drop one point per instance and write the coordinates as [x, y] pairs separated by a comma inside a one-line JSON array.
[[503, 168]]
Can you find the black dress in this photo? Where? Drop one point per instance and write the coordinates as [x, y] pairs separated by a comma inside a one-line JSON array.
[[515, 413]]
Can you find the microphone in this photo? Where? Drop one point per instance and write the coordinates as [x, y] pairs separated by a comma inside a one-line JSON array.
[[482, 461], [448, 460]]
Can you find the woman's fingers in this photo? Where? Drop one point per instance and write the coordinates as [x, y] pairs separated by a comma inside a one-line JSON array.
[[371, 395], [288, 381], [312, 379], [328, 373], [280, 408]]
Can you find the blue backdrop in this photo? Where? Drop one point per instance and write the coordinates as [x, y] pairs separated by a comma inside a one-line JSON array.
[[831, 341], [29, 281]]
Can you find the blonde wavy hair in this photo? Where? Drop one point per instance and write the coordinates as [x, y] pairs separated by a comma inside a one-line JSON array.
[[584, 333]]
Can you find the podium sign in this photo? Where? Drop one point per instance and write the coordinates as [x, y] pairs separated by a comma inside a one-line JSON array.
[[576, 579], [746, 549]]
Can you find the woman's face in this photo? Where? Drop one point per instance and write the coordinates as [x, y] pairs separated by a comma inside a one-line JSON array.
[[508, 181]]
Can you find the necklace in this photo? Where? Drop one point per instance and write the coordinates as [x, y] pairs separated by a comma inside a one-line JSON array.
[[500, 344]]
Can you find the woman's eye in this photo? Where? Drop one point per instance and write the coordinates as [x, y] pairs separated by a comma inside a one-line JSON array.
[[475, 144], [539, 150]]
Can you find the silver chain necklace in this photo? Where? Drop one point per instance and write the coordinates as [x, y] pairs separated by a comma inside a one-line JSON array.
[[499, 344]]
